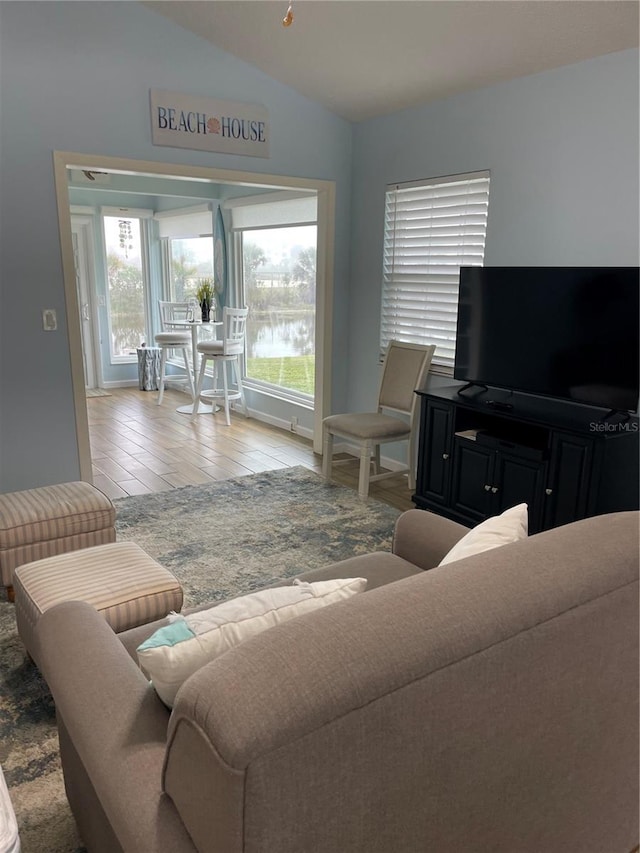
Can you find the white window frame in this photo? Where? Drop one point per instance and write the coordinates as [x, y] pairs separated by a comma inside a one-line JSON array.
[[180, 223], [286, 210], [144, 216], [432, 227]]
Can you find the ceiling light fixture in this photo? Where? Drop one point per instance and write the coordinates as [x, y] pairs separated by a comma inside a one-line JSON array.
[[288, 18]]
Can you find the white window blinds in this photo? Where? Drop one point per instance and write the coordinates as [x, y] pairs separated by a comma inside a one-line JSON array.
[[272, 210], [432, 228], [186, 222]]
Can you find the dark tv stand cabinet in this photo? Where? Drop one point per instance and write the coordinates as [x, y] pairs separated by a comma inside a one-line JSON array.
[[483, 451]]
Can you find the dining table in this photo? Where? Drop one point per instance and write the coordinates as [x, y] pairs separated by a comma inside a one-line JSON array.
[[197, 327]]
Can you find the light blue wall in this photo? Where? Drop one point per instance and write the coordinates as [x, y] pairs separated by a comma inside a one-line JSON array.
[[562, 147], [76, 77]]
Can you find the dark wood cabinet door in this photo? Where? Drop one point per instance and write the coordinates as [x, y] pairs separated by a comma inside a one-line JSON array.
[[434, 458], [472, 479], [567, 489], [520, 480], [559, 461]]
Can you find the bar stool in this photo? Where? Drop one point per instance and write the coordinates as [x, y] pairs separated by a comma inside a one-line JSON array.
[[172, 314], [224, 352]]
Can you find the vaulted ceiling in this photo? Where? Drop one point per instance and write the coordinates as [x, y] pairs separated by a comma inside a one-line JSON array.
[[364, 58]]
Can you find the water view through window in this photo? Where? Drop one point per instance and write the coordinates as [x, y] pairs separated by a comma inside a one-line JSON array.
[[279, 277]]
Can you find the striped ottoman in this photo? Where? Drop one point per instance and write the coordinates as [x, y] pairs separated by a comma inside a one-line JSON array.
[[120, 580], [50, 520]]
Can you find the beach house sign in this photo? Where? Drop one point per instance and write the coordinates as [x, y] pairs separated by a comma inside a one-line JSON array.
[[191, 121]]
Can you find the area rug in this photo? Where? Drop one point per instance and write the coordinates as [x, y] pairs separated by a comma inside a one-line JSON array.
[[219, 540]]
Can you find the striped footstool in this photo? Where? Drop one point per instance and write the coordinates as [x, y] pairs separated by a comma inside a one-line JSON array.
[[120, 580], [38, 523]]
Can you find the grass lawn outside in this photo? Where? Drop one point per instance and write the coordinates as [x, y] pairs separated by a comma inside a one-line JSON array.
[[295, 372]]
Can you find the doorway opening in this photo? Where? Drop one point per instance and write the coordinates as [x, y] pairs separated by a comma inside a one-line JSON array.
[[225, 184]]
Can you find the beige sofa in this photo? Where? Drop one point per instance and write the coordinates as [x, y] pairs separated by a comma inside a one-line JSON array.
[[486, 705]]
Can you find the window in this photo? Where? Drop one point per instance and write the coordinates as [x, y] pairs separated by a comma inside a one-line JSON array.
[[126, 283], [187, 240], [277, 245], [432, 228], [190, 262], [279, 282]]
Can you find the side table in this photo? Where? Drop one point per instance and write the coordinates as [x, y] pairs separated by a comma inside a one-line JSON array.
[[148, 368]]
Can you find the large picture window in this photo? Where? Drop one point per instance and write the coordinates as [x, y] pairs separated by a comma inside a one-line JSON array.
[[432, 228], [277, 241], [279, 279]]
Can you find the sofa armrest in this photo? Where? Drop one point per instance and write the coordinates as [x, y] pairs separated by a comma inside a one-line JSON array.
[[116, 723], [423, 538]]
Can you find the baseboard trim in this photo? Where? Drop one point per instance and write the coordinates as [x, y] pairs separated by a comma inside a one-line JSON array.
[[119, 383], [281, 423]]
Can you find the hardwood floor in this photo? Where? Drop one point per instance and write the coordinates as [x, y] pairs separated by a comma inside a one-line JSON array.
[[138, 447]]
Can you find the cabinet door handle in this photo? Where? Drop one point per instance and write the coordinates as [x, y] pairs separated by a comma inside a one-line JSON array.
[[548, 491], [445, 455], [487, 488], [494, 489]]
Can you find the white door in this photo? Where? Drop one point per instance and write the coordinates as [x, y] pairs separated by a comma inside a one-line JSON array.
[[83, 257]]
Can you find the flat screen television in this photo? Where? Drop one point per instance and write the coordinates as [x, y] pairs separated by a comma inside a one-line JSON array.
[[564, 332]]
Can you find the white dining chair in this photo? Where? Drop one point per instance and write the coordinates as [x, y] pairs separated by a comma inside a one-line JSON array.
[[222, 353], [405, 370], [172, 338]]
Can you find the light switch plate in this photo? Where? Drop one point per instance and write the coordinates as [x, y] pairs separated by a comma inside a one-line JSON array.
[[49, 319]]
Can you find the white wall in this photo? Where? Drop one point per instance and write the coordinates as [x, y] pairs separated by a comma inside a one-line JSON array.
[[562, 147], [75, 76]]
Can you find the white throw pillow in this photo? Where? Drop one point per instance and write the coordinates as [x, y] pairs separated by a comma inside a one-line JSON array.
[[177, 650], [498, 530]]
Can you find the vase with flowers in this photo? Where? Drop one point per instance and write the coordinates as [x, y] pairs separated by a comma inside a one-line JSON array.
[[205, 294]]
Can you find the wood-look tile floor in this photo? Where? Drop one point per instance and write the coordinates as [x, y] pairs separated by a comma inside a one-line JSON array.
[[138, 447]]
